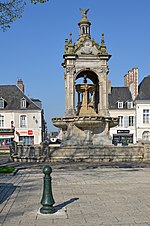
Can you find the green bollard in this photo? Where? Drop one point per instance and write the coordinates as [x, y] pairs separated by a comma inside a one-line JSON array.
[[47, 198]]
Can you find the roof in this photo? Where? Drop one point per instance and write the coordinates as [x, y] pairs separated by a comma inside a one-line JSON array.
[[144, 89], [121, 94], [12, 96]]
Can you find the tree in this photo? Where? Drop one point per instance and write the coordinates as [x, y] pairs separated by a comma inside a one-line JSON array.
[[11, 10]]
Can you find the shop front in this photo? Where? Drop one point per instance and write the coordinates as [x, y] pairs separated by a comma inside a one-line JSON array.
[[6, 136], [25, 137], [27, 140], [123, 137]]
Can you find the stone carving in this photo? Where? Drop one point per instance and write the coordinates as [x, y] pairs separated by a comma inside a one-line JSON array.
[[87, 49], [104, 70], [84, 12], [71, 70]]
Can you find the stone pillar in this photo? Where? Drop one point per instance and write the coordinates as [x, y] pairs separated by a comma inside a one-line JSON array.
[[66, 93], [78, 98], [78, 104], [100, 107], [105, 99], [70, 94], [103, 92]]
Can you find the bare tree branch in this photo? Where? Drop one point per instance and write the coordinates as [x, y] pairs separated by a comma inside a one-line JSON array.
[[10, 10]]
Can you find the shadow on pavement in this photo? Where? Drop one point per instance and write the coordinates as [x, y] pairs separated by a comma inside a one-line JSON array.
[[85, 166], [6, 190], [60, 206]]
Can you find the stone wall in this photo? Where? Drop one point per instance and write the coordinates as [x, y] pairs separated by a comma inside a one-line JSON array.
[[28, 153], [99, 154], [110, 153]]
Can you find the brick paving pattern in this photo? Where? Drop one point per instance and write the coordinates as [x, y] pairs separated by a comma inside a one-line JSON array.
[[83, 197]]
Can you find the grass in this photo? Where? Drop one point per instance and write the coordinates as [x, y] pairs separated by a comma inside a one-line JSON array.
[[6, 169]]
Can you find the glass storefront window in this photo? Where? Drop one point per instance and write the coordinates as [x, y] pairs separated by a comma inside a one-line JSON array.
[[27, 140]]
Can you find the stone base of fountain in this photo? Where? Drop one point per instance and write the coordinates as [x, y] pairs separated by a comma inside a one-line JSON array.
[[87, 130], [87, 153], [105, 154]]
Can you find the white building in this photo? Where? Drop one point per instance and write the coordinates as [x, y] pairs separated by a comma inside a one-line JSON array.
[[142, 103], [131, 104], [21, 118], [121, 106]]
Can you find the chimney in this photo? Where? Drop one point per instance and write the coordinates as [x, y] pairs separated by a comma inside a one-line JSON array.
[[131, 81], [126, 80], [135, 73], [20, 85]]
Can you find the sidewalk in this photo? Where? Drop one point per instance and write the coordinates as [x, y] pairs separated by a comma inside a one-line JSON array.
[[83, 197]]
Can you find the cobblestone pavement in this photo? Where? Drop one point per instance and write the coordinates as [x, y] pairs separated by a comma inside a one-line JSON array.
[[83, 197], [4, 159]]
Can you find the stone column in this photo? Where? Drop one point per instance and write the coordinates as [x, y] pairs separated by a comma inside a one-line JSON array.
[[78, 104], [70, 93], [66, 93], [100, 105], [105, 91], [71, 96]]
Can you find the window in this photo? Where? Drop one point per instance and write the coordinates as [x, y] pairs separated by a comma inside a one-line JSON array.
[[129, 105], [23, 103], [120, 121], [1, 121], [145, 116], [23, 121], [131, 120], [1, 102], [126, 121], [120, 104], [27, 140], [146, 135]]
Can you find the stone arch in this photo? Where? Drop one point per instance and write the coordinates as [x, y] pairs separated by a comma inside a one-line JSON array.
[[91, 74], [88, 93]]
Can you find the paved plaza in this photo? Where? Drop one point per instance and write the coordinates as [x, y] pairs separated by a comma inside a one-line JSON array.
[[90, 196]]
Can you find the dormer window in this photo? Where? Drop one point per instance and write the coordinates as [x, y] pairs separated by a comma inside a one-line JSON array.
[[120, 104], [129, 104], [1, 103], [23, 103]]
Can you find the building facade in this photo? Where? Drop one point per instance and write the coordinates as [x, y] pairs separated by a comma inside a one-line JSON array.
[[142, 104], [122, 106], [131, 104], [21, 118]]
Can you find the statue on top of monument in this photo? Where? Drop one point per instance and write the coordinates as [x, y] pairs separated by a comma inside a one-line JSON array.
[[84, 12]]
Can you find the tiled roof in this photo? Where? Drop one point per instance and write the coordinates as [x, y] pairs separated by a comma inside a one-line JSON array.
[[144, 89], [12, 96], [121, 94]]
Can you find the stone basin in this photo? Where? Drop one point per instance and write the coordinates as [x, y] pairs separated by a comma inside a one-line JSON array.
[[88, 123], [60, 123], [85, 122]]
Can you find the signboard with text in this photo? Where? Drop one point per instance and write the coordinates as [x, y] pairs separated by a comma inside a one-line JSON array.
[[123, 131]]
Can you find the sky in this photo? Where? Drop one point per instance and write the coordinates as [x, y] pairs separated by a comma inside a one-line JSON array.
[[32, 49]]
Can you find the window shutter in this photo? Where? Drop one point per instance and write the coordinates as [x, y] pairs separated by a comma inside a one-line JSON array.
[[126, 121]]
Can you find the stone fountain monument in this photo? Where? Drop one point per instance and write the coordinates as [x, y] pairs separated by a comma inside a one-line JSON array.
[[87, 120], [86, 123]]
